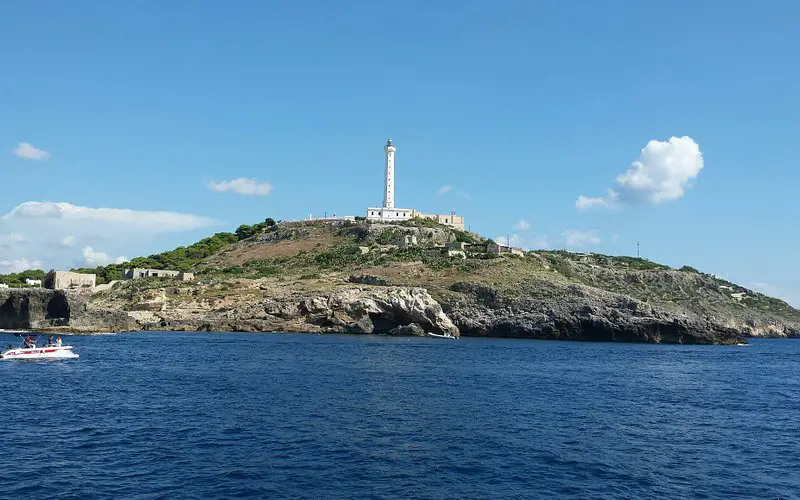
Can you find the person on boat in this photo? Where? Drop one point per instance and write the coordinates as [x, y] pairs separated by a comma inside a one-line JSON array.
[[58, 341], [29, 342], [49, 341]]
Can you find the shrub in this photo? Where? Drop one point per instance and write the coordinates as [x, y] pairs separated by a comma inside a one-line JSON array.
[[463, 237], [386, 237]]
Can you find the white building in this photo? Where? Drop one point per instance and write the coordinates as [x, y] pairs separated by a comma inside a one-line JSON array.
[[3, 285], [31, 282], [388, 212]]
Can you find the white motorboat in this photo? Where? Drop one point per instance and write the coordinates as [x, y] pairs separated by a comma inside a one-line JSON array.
[[31, 351], [47, 352], [443, 336]]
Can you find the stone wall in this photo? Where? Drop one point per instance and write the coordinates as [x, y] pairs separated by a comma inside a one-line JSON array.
[[67, 280]]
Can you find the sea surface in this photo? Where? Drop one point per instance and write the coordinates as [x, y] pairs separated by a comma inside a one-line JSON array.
[[208, 415]]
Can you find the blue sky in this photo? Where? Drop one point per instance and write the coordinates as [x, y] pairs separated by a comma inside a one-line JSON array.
[[519, 107]]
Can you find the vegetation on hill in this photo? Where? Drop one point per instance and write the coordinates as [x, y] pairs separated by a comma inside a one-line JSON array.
[[18, 279], [315, 250], [179, 259]]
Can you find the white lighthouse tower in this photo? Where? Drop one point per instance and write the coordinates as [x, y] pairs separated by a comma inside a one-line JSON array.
[[388, 212], [388, 194]]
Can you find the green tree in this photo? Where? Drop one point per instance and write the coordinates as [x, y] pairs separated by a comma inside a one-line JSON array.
[[245, 231]]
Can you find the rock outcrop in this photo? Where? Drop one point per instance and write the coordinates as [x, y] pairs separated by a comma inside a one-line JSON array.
[[348, 309], [576, 312], [57, 310], [363, 277]]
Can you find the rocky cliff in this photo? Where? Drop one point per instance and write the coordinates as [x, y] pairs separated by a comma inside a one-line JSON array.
[[575, 312], [57, 310], [359, 277], [258, 305]]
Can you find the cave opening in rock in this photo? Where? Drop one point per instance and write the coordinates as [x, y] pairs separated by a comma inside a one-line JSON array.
[[58, 307]]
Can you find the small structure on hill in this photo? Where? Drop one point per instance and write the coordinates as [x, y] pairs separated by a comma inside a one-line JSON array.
[[409, 240], [67, 280], [452, 219], [460, 254], [31, 282], [3, 285], [137, 273], [389, 213], [498, 249]]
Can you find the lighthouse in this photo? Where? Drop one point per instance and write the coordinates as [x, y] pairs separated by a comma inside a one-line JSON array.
[[388, 212], [388, 194]]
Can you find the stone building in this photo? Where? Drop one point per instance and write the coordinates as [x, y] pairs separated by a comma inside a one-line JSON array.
[[451, 219], [67, 280], [136, 273], [504, 250]]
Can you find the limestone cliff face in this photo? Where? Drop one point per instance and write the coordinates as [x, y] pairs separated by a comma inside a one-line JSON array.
[[255, 306], [541, 310], [575, 312], [38, 309]]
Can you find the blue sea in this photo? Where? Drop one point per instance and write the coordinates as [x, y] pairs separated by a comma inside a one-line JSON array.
[[207, 415]]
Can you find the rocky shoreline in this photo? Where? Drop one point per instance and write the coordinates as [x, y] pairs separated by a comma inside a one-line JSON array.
[[57, 311], [463, 310], [570, 312]]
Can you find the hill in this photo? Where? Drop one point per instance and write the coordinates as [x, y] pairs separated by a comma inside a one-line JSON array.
[[359, 276]]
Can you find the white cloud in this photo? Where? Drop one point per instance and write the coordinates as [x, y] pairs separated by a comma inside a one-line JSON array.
[[68, 241], [249, 187], [766, 289], [588, 202], [18, 265], [30, 152], [574, 238], [56, 233], [662, 173], [10, 240], [94, 258], [447, 189], [540, 242], [513, 240], [122, 219], [770, 290], [526, 242], [522, 225]]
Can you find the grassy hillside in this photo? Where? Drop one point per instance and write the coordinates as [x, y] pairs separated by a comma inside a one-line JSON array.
[[314, 251], [322, 253]]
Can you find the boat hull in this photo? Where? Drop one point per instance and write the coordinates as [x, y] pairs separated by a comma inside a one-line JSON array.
[[51, 352], [441, 336]]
